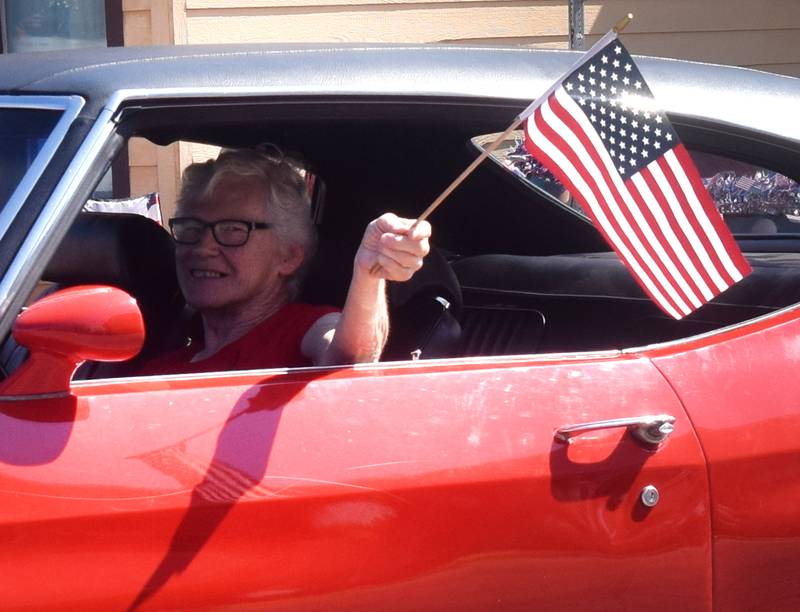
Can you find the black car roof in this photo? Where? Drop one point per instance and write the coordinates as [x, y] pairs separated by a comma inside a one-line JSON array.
[[738, 96]]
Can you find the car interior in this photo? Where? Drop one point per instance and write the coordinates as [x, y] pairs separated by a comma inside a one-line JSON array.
[[512, 270]]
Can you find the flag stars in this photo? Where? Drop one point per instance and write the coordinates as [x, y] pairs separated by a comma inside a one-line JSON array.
[[611, 91]]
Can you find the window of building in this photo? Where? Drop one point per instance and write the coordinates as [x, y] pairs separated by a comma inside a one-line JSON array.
[[51, 25]]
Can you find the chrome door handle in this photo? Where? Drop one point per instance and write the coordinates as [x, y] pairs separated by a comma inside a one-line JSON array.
[[651, 429]]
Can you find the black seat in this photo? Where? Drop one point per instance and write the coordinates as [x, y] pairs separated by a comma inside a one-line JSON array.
[[130, 252], [424, 313]]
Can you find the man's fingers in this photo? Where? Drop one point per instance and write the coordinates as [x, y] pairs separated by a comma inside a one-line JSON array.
[[392, 270], [391, 223], [405, 244], [404, 258], [420, 230], [398, 245]]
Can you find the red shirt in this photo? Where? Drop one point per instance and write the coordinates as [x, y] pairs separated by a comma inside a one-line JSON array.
[[274, 343]]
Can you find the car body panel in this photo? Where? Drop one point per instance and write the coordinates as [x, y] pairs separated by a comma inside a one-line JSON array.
[[309, 489], [749, 432]]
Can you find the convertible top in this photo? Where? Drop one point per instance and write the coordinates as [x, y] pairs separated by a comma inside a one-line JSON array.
[[737, 96]]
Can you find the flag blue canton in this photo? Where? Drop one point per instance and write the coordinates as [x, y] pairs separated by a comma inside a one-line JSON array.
[[614, 96]]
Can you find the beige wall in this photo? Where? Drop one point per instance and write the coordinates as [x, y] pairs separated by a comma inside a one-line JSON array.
[[760, 34]]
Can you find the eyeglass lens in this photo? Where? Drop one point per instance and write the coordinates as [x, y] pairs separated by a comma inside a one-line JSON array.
[[226, 232]]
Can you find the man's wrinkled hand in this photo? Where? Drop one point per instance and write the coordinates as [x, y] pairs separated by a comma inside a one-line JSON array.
[[393, 247]]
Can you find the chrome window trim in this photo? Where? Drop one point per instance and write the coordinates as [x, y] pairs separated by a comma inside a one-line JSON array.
[[69, 106], [27, 261]]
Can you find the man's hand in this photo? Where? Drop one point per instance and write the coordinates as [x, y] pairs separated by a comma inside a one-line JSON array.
[[393, 248]]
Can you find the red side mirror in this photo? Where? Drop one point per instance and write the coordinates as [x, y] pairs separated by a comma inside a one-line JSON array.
[[68, 327]]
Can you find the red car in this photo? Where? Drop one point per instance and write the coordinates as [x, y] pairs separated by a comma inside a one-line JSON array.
[[539, 435]]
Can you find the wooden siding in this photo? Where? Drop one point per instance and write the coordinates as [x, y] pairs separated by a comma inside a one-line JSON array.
[[761, 35]]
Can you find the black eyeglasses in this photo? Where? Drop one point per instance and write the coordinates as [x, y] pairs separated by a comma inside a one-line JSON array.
[[227, 232]]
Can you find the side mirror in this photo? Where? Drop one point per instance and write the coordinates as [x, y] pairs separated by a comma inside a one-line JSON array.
[[68, 327]]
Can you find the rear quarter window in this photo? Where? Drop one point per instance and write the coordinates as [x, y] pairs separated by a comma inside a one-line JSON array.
[[751, 199]]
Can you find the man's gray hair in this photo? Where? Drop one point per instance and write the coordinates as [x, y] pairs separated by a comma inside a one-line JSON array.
[[284, 180]]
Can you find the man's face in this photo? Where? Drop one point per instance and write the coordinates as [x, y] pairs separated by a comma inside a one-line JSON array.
[[235, 280]]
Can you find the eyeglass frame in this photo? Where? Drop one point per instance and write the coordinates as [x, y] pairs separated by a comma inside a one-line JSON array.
[[204, 225]]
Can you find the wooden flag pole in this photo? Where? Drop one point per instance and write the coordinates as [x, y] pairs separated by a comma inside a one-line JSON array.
[[461, 177], [623, 23], [475, 163], [618, 27]]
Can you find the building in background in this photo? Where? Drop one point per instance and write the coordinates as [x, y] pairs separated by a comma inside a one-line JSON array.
[[738, 32]]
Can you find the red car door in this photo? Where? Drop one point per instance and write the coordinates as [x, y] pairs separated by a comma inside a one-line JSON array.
[[398, 486], [742, 391]]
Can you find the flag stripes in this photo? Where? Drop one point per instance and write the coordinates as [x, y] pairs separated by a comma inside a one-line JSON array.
[[654, 220], [634, 212], [599, 131]]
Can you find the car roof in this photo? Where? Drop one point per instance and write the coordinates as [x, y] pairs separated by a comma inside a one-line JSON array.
[[738, 96]]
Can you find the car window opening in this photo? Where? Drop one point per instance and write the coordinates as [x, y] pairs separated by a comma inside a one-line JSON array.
[[475, 295]]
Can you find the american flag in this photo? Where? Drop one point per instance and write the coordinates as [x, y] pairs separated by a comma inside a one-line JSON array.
[[600, 133]]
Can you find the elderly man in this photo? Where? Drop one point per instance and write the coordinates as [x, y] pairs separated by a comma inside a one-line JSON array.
[[244, 236]]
